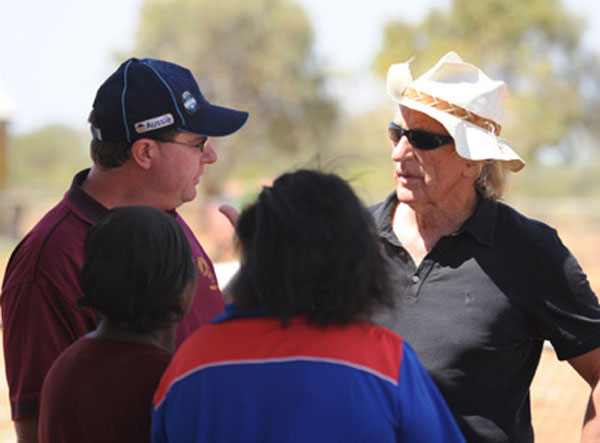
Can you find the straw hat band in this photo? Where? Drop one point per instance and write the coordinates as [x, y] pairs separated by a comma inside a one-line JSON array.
[[457, 111]]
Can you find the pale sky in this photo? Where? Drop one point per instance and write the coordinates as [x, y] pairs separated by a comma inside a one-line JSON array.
[[55, 54]]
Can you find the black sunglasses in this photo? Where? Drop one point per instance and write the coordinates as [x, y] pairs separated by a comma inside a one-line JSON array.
[[423, 140]]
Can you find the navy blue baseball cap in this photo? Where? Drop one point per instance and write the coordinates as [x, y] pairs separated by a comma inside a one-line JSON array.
[[145, 97]]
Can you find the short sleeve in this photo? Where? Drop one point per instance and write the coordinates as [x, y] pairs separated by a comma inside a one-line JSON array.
[[566, 309]]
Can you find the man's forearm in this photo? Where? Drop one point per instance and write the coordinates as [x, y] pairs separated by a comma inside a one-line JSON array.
[[591, 422]]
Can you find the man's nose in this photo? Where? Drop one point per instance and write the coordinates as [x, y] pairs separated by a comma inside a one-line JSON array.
[[402, 149], [209, 155]]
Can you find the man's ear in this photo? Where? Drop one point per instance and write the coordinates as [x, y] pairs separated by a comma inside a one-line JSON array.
[[473, 168], [143, 152]]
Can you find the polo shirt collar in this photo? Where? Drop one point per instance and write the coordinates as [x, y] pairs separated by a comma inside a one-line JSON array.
[[232, 311], [86, 207], [383, 218], [481, 225]]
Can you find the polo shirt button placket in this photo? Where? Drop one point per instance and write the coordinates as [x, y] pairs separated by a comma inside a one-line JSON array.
[[412, 293]]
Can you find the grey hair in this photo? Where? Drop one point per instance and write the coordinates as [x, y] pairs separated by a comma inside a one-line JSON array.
[[492, 180]]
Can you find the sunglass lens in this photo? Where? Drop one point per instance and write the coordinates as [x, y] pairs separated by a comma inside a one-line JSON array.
[[423, 140], [395, 135]]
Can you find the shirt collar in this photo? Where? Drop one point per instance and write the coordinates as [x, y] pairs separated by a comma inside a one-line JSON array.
[[481, 224], [85, 205], [232, 311], [81, 202], [383, 214]]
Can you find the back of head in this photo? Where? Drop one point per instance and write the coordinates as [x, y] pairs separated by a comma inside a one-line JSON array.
[[137, 265], [309, 247]]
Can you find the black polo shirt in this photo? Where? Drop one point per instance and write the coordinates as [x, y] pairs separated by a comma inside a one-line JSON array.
[[478, 308]]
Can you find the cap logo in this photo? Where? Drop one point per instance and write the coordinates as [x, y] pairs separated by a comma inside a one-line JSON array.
[[154, 123], [189, 102]]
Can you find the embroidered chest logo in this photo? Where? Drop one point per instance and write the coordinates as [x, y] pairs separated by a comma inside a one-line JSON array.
[[206, 272]]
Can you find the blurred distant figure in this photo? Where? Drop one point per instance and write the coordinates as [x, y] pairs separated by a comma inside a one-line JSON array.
[[479, 287], [150, 126], [139, 277], [294, 358]]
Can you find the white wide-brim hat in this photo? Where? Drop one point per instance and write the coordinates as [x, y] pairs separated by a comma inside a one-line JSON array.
[[464, 100]]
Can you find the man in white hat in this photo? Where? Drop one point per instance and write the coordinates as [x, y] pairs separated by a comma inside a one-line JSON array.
[[479, 286]]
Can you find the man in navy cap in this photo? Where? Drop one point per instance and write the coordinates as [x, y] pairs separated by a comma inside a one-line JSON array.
[[151, 127]]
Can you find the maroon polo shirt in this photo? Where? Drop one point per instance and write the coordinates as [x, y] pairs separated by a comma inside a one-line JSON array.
[[40, 316]]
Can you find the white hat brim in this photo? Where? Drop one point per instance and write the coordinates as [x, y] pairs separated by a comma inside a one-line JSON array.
[[471, 141]]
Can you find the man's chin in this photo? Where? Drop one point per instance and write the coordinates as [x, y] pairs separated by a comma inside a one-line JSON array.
[[404, 195], [189, 196]]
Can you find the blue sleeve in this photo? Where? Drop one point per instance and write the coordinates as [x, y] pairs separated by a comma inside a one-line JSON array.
[[424, 415]]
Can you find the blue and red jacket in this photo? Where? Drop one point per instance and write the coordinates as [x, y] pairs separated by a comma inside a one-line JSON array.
[[248, 379]]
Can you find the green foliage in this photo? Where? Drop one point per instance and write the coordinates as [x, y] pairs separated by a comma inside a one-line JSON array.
[[250, 54], [47, 159], [532, 45], [366, 162]]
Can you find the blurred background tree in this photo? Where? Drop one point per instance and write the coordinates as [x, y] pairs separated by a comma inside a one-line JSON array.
[[255, 55], [259, 55], [45, 159]]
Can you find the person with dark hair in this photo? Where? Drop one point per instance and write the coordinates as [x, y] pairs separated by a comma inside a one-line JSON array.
[[150, 128], [139, 278], [294, 358]]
